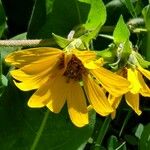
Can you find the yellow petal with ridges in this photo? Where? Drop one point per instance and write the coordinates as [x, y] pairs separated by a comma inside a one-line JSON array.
[[36, 68], [85, 56], [59, 89], [24, 57], [96, 96], [133, 101], [77, 107], [132, 75], [113, 83], [28, 82], [114, 102], [145, 90], [145, 72], [41, 97], [20, 75], [91, 65]]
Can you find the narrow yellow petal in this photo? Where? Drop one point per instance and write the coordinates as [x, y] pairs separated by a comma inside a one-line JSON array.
[[96, 96], [23, 57], [145, 90], [114, 101], [91, 65], [113, 83], [145, 72], [85, 56], [77, 107], [32, 76], [36, 68], [133, 101], [41, 97], [113, 114], [20, 75], [29, 82], [59, 89], [132, 76]]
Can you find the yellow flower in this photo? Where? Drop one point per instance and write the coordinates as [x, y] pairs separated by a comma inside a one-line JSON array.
[[57, 75], [138, 86]]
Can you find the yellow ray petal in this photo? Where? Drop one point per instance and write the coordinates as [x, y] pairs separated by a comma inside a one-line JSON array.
[[145, 72], [133, 101], [132, 75], [114, 101], [85, 56], [41, 97], [91, 65], [59, 89], [145, 90], [77, 107], [23, 57], [29, 82], [20, 75], [36, 68], [113, 83], [96, 96]]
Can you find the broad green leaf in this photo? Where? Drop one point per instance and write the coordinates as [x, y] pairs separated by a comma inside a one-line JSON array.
[[121, 32], [2, 19], [146, 14], [144, 143], [20, 125], [97, 14], [60, 17]]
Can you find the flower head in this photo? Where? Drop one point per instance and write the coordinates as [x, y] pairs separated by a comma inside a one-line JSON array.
[[57, 75], [138, 86]]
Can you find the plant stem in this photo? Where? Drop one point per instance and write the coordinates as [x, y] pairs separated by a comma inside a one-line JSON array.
[[102, 133], [40, 131], [30, 43], [120, 146], [125, 122]]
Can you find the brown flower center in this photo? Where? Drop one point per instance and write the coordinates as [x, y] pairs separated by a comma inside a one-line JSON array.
[[74, 69]]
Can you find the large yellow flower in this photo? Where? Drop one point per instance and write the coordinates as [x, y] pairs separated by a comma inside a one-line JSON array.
[[138, 86], [57, 76]]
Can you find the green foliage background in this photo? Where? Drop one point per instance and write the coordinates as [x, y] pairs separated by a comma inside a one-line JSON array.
[[23, 128]]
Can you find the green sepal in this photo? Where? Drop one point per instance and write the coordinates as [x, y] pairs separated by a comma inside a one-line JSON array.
[[123, 52], [121, 33], [109, 54], [69, 43], [144, 63], [61, 41], [127, 50]]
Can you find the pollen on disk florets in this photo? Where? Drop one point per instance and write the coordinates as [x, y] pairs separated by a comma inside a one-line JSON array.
[[74, 69]]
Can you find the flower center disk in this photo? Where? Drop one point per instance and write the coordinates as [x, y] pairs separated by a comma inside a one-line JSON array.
[[75, 69]]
